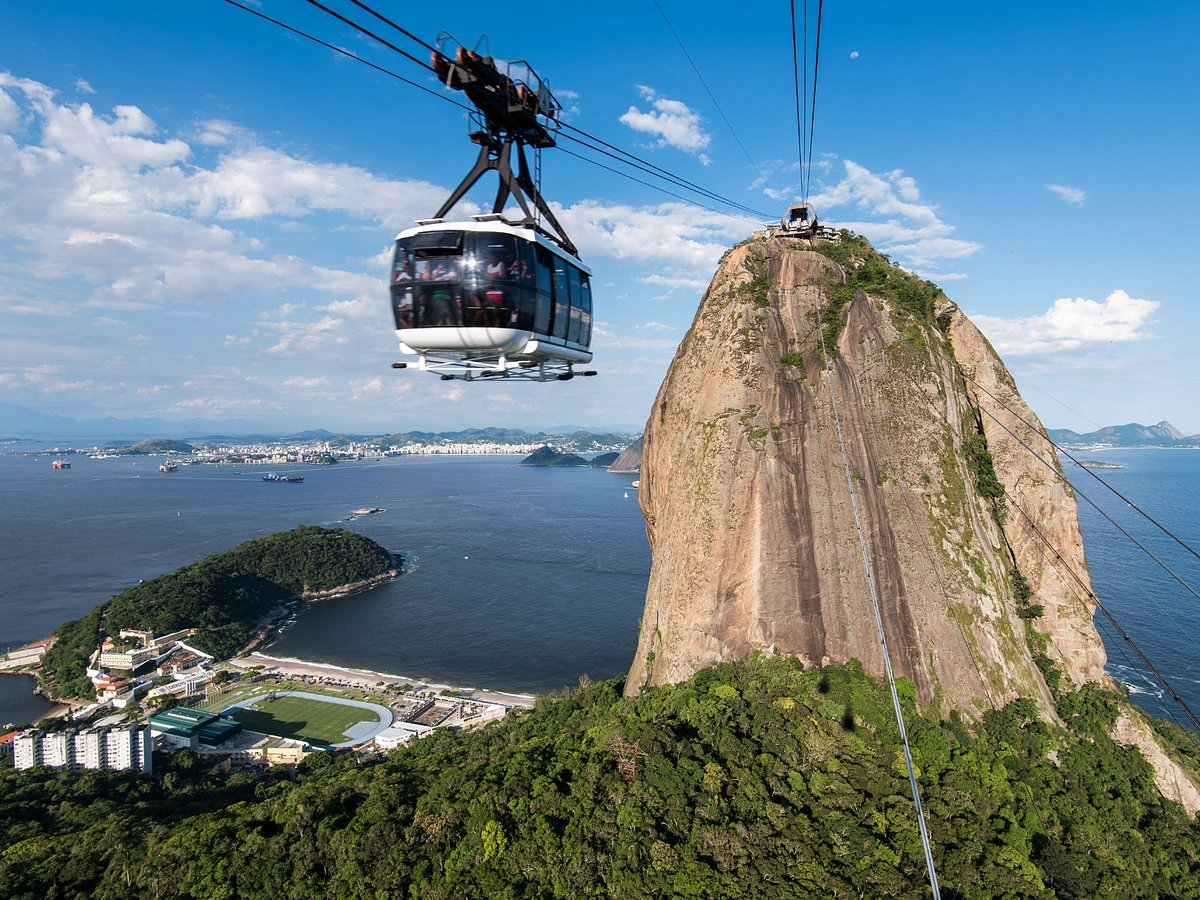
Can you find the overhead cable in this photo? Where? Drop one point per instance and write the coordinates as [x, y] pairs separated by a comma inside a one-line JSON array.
[[386, 20], [372, 35], [881, 633], [800, 117], [812, 122], [631, 160], [347, 54], [655, 187], [708, 90], [1084, 587], [1145, 515], [683, 183]]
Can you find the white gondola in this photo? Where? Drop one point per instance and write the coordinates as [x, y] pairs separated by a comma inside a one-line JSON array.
[[490, 296], [484, 297]]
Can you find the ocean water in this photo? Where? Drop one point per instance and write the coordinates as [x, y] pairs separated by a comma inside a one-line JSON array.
[[522, 578], [1152, 591]]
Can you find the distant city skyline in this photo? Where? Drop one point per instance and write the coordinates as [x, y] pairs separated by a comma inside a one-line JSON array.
[[198, 206]]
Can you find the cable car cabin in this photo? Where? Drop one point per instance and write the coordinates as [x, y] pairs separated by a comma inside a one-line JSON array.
[[484, 298], [800, 220]]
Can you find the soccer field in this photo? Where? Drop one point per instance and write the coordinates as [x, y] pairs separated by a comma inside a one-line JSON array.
[[304, 718]]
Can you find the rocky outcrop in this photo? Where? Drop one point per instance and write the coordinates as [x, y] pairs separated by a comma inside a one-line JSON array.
[[1172, 781], [748, 503], [548, 456], [630, 460]]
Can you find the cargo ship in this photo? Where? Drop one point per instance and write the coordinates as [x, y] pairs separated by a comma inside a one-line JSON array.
[[286, 479], [60, 464]]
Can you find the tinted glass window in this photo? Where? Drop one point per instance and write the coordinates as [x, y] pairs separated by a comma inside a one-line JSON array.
[[527, 274], [439, 304], [562, 298], [576, 303], [437, 241], [402, 306], [436, 268], [585, 328], [402, 263], [545, 291], [496, 257], [429, 288]]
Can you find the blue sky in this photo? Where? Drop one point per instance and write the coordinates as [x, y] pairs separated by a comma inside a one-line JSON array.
[[196, 207]]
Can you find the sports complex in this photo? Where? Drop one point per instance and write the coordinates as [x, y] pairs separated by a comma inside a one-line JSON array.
[[318, 719]]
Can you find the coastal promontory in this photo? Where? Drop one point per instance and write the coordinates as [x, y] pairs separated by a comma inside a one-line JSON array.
[[548, 456], [225, 597]]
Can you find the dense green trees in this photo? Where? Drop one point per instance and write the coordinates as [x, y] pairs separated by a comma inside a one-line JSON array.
[[224, 596], [757, 779]]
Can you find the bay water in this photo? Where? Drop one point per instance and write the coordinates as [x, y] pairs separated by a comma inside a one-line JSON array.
[[521, 578]]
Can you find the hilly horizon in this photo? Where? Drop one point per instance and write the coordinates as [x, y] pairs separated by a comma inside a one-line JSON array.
[[1133, 434], [21, 423]]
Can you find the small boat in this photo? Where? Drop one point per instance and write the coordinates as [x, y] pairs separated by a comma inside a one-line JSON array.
[[283, 479], [60, 464], [167, 466], [627, 495], [637, 484]]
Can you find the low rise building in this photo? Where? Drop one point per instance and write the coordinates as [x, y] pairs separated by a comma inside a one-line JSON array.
[[400, 733], [280, 751], [126, 660], [180, 726]]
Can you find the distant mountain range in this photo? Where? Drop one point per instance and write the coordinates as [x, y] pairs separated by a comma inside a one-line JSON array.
[[19, 423], [1164, 434]]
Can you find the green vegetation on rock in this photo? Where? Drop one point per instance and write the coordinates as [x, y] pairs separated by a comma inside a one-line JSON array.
[[870, 271], [224, 596], [980, 460], [752, 779]]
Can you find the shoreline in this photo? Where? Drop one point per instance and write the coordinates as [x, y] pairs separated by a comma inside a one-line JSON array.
[[368, 678], [58, 708]]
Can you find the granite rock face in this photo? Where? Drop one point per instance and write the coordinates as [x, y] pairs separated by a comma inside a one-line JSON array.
[[751, 517]]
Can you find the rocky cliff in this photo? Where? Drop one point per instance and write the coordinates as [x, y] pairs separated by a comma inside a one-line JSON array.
[[630, 460], [973, 542]]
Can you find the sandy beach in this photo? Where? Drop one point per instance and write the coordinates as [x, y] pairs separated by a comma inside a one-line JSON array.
[[366, 679]]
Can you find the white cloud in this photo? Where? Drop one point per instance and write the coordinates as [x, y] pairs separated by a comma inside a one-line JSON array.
[[697, 285], [1074, 196], [258, 182], [1071, 324], [300, 382], [669, 234], [672, 121], [604, 333], [82, 86], [902, 225]]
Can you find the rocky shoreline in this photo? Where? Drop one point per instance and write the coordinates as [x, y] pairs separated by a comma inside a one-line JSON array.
[[354, 587]]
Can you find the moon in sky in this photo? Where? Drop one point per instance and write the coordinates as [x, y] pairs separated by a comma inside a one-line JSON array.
[[854, 54]]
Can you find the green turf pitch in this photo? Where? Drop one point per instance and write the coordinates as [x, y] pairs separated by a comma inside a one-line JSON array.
[[302, 718]]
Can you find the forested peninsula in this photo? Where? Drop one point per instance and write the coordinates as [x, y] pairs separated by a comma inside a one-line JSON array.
[[757, 778], [225, 597]]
